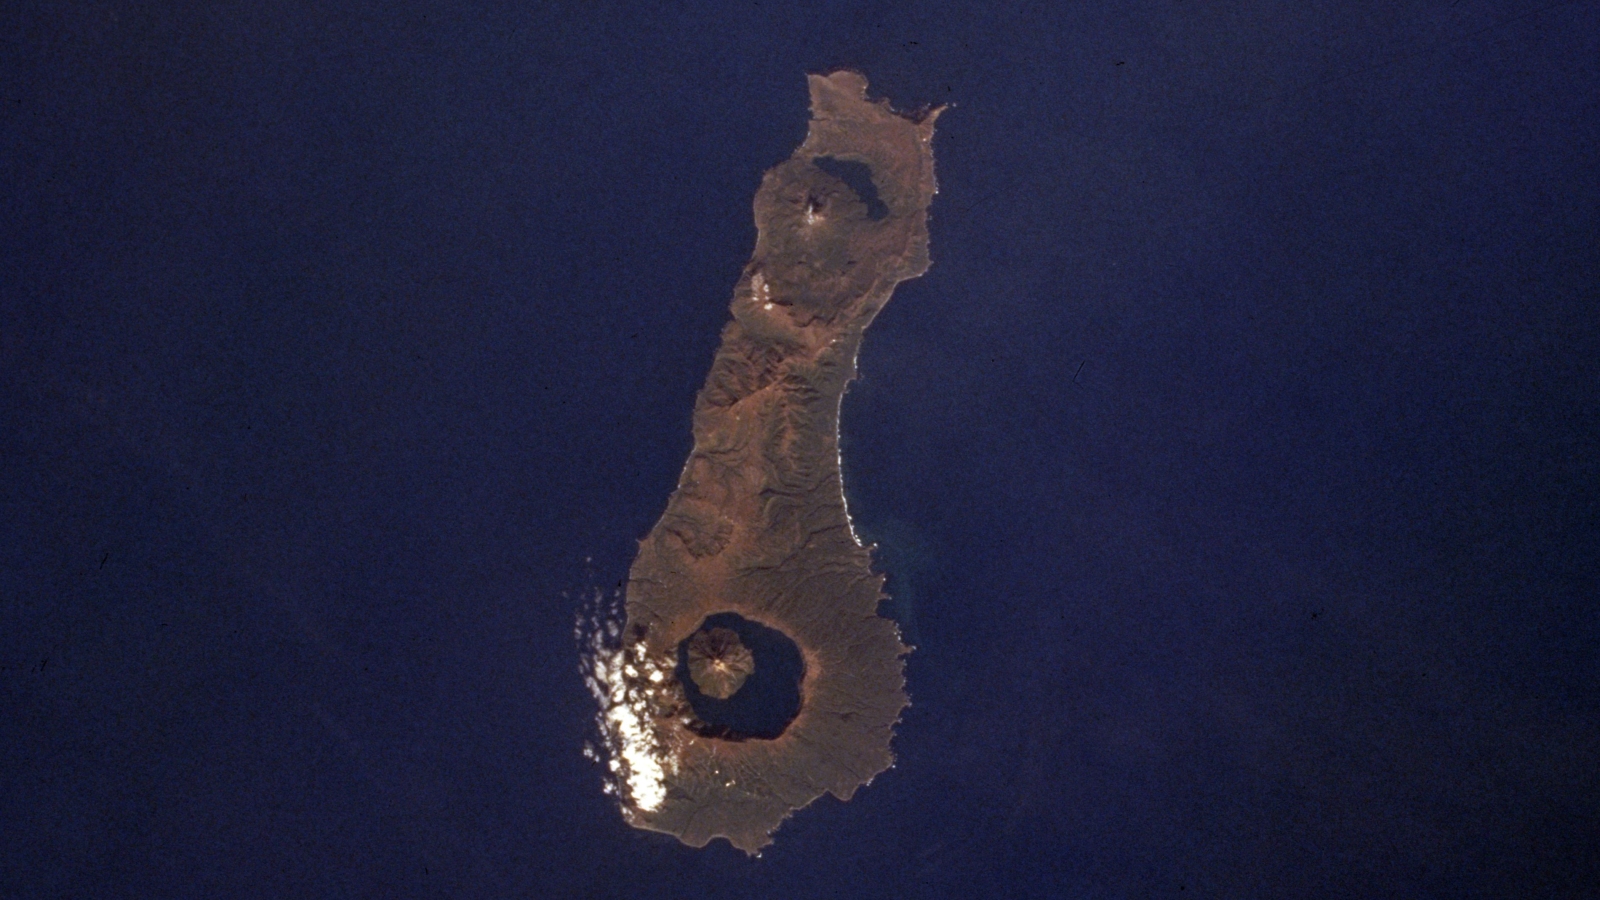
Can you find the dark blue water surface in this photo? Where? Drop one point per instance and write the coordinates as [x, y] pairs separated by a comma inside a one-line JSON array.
[[1233, 467], [770, 697]]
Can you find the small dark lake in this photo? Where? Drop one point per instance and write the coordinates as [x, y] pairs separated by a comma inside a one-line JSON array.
[[769, 699]]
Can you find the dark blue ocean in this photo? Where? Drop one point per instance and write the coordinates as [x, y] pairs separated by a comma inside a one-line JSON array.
[[1234, 468]]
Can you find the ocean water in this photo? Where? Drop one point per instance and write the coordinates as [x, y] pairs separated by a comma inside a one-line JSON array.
[[1231, 468]]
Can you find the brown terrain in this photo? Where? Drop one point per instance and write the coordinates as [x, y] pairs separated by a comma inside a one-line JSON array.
[[757, 525]]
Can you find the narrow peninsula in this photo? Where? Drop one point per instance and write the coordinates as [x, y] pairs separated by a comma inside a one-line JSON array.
[[753, 586]]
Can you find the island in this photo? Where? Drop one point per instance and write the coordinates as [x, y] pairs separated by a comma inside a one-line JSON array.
[[719, 662], [756, 548]]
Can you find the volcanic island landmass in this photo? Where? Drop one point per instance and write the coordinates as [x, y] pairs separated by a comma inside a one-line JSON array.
[[757, 530]]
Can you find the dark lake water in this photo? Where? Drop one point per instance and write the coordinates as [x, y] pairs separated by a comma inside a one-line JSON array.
[[858, 176], [768, 700]]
